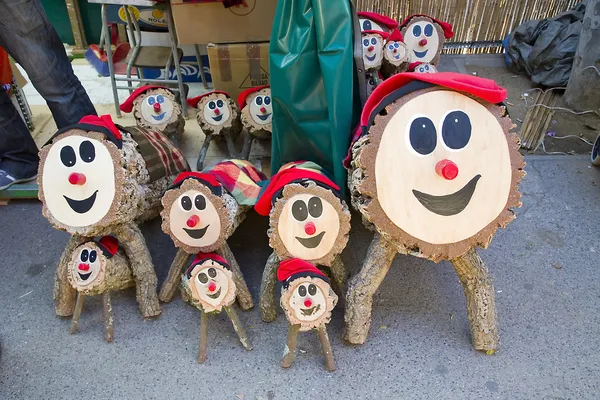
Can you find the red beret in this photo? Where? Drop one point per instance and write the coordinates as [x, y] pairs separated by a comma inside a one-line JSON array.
[[201, 257], [380, 19], [109, 245], [242, 97], [193, 102], [446, 27], [127, 105], [295, 268], [396, 36], [208, 180], [413, 65], [384, 35]]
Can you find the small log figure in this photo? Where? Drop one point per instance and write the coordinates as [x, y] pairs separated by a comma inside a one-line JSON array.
[[99, 267], [422, 68], [155, 108], [373, 42], [308, 220], [210, 286], [257, 111], [202, 210], [370, 21], [307, 300], [395, 55], [424, 37], [97, 179], [434, 177]]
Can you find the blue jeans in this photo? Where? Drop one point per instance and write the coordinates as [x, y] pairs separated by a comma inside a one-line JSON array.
[[28, 37]]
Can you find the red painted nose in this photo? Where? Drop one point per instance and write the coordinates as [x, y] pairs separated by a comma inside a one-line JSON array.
[[212, 287], [422, 42], [447, 169], [310, 228], [370, 48], [263, 110], [156, 107], [307, 303], [217, 112], [77, 179], [395, 51], [193, 221], [84, 267]]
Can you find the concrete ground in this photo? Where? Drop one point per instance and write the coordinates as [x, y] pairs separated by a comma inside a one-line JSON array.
[[545, 268]]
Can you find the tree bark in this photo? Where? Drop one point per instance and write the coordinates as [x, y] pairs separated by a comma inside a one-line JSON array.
[[326, 346], [77, 313], [169, 286], [266, 297], [239, 328], [289, 353], [340, 276], [64, 294], [203, 337], [109, 331], [244, 297]]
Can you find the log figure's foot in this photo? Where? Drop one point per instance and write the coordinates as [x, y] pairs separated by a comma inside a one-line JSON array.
[[244, 297], [64, 294], [169, 286], [268, 305]]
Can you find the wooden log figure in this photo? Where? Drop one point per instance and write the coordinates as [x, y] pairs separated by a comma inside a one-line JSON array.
[[424, 37], [257, 111], [307, 299], [211, 287], [395, 55], [155, 108], [307, 220], [373, 43], [422, 68], [99, 267], [202, 210], [98, 179], [434, 177], [370, 21]]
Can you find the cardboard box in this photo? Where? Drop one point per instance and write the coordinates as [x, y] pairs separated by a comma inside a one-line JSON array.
[[239, 66], [213, 23]]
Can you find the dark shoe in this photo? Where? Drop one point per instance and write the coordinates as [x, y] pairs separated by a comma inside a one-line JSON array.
[[7, 180]]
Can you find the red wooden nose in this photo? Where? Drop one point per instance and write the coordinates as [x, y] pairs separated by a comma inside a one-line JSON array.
[[77, 179], [370, 48], [447, 169], [310, 228], [395, 51], [212, 287], [217, 112], [263, 110], [422, 42], [84, 267], [156, 107], [307, 303], [193, 221]]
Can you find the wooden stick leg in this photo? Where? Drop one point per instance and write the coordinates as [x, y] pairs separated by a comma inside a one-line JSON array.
[[339, 275], [244, 297], [135, 247], [289, 353], [362, 287], [230, 145], [109, 331], [326, 346], [203, 152], [481, 300], [167, 291], [239, 328], [266, 297], [203, 337], [77, 313], [64, 294]]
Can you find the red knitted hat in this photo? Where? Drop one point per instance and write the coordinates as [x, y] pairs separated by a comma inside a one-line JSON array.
[[396, 36], [208, 180], [109, 245], [380, 19], [193, 102], [242, 97], [384, 35], [446, 27], [127, 105], [295, 268], [201, 257], [413, 65], [93, 123]]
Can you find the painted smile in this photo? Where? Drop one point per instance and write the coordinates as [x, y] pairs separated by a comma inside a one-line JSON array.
[[159, 117], [371, 58], [310, 311], [82, 206], [420, 54], [196, 233], [264, 117], [312, 242], [84, 277], [218, 118], [450, 204], [397, 57], [214, 296]]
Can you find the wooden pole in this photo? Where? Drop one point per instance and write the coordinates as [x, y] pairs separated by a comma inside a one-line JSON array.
[[77, 313], [244, 297], [289, 353], [109, 332], [326, 346], [239, 328], [266, 297], [167, 291], [203, 337]]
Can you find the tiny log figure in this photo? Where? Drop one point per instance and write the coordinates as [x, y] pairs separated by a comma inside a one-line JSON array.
[[202, 210], [307, 220], [424, 37], [370, 21], [99, 267], [155, 109], [373, 49], [422, 68], [434, 177], [210, 286], [257, 111], [98, 179], [395, 55], [307, 299]]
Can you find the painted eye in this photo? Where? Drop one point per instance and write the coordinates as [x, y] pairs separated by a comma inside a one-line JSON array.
[[67, 156], [258, 100], [299, 210], [267, 100], [427, 68], [202, 277], [87, 152], [93, 256], [186, 203], [373, 41], [160, 98], [220, 103], [423, 137], [212, 272], [396, 45], [456, 130], [366, 25], [84, 255], [212, 105], [151, 100], [315, 207], [312, 289], [428, 30], [200, 202], [391, 47], [417, 30], [366, 42], [302, 290]]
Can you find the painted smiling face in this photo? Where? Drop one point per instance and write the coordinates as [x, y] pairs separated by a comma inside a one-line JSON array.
[[211, 285], [308, 301], [87, 267], [425, 68], [156, 107], [261, 110], [396, 53], [424, 40], [216, 110], [372, 50]]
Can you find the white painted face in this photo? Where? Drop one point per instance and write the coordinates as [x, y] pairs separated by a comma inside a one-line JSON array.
[[396, 53], [308, 226], [217, 112], [426, 68], [261, 109], [156, 109], [422, 40], [78, 180], [86, 269], [372, 50], [370, 25], [194, 220], [308, 299], [212, 285], [452, 167]]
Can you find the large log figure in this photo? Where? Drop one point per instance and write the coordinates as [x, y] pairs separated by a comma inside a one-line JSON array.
[[307, 300], [434, 172], [96, 179], [424, 37], [211, 287], [307, 220], [155, 108], [395, 55]]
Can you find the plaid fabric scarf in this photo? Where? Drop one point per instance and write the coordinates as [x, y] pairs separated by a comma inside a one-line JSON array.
[[240, 178]]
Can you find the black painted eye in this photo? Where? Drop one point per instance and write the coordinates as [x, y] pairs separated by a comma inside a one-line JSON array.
[[423, 137], [315, 207], [456, 130], [212, 105], [212, 272], [373, 41], [312, 289], [299, 210], [366, 42], [267, 100], [259, 100], [202, 277], [93, 256], [417, 30], [200, 202], [84, 255], [366, 25], [67, 156], [302, 290], [220, 103], [186, 203], [428, 30], [87, 151]]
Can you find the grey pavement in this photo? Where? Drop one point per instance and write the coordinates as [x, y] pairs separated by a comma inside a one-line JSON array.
[[546, 272]]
